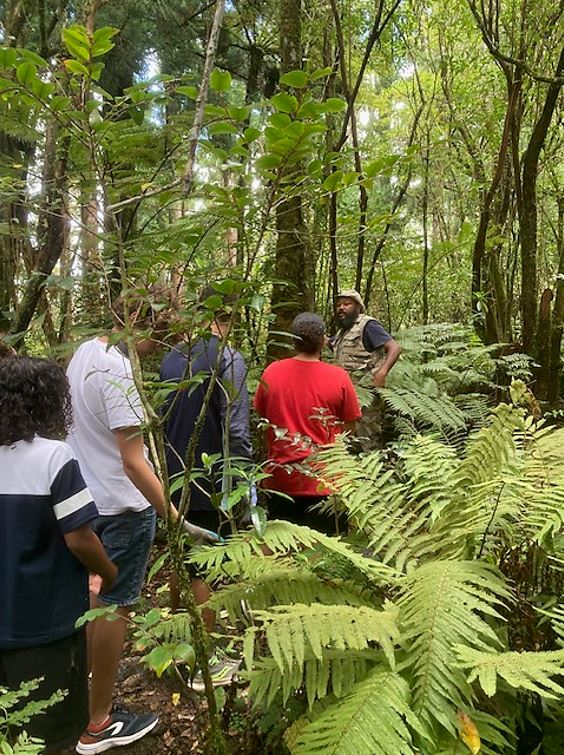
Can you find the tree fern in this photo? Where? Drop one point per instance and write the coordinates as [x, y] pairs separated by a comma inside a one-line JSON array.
[[372, 719], [443, 604]]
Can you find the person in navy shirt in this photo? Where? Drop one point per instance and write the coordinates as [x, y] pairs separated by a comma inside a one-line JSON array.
[[47, 548]]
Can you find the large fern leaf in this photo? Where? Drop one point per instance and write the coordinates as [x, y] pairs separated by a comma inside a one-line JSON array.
[[530, 671], [372, 719], [336, 672], [282, 584], [282, 537], [443, 605], [296, 631]]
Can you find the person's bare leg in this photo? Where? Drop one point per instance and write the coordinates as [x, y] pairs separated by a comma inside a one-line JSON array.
[[94, 583], [106, 646], [202, 593]]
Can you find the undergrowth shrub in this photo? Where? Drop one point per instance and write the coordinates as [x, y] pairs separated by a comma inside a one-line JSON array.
[[438, 627]]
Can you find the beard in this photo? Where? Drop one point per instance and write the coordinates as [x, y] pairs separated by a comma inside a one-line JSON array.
[[346, 321]]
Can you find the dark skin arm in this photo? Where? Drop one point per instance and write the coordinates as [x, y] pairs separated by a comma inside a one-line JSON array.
[[88, 549], [393, 350]]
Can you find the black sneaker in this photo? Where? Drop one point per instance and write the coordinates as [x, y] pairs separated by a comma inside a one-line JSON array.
[[120, 728]]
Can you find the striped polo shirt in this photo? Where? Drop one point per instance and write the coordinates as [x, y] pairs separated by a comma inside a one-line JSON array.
[[43, 587]]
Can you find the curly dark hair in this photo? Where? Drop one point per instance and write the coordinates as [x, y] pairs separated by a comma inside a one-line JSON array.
[[34, 399], [308, 330]]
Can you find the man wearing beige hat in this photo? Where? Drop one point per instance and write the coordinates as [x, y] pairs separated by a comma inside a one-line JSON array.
[[364, 348]]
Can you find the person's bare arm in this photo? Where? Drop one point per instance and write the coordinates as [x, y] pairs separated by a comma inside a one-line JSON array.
[[393, 351], [85, 545], [135, 465]]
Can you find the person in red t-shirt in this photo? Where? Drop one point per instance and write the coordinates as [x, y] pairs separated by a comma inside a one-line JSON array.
[[307, 403]]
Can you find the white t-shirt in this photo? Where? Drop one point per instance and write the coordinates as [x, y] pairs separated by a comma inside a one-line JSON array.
[[104, 398]]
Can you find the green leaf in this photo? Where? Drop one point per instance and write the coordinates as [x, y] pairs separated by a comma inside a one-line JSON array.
[[319, 73], [220, 81], [101, 48], [372, 719], [226, 286], [108, 612], [222, 128], [284, 103], [280, 120], [214, 111], [238, 114], [33, 57], [26, 74], [257, 302], [105, 32], [75, 67], [101, 43], [157, 566], [96, 70], [160, 658], [137, 115], [77, 42], [333, 181], [60, 103], [8, 57], [314, 167], [188, 91], [296, 79], [251, 134], [310, 109], [334, 105], [41, 89], [268, 162]]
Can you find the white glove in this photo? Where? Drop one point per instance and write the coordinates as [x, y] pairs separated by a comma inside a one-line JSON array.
[[200, 535]]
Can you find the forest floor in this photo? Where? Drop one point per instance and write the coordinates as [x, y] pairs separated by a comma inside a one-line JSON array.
[[182, 712]]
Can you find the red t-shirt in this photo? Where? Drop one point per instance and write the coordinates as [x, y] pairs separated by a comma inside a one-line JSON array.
[[306, 403]]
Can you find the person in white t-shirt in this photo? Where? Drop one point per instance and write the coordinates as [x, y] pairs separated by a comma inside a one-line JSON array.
[[107, 439]]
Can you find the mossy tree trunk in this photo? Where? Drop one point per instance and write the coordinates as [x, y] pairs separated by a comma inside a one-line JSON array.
[[292, 290]]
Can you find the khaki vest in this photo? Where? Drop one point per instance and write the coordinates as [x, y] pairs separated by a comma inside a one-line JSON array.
[[350, 352]]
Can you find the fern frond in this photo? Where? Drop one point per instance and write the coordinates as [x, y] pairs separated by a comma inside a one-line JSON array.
[[336, 672], [283, 585], [491, 449], [394, 516], [442, 605], [529, 671], [282, 537], [556, 616], [438, 411], [372, 719], [295, 632]]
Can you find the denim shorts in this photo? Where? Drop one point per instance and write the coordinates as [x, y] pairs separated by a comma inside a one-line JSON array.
[[127, 539]]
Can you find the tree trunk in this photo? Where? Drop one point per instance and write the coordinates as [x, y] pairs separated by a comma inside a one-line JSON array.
[[528, 214], [291, 292], [550, 373], [479, 252], [53, 241]]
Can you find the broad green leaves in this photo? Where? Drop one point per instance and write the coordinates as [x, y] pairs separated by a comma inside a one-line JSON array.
[[84, 47], [220, 81]]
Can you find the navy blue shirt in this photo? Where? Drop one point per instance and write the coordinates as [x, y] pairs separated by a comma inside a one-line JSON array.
[[226, 425], [374, 335], [44, 588]]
